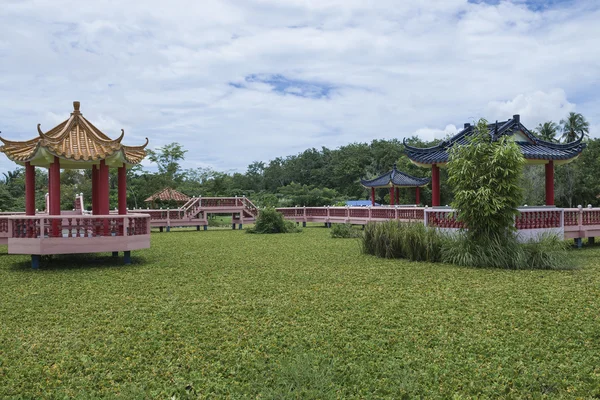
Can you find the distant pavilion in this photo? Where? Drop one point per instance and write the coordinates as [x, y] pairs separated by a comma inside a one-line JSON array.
[[534, 149], [168, 195], [394, 180]]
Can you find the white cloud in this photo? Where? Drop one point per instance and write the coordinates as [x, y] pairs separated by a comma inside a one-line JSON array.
[[166, 70], [535, 108]]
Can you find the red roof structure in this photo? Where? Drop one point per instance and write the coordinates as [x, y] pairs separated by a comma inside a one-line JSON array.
[[168, 194]]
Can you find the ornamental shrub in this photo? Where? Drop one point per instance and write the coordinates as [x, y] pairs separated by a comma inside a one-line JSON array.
[[344, 231], [485, 175], [270, 220]]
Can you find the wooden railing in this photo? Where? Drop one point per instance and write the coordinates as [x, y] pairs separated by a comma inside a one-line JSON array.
[[86, 226]]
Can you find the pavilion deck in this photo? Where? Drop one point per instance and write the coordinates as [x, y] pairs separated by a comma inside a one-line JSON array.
[[72, 234]]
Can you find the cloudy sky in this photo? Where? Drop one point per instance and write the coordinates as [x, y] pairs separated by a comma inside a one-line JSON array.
[[236, 81]]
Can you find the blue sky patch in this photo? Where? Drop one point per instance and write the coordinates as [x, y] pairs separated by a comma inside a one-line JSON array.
[[286, 86]]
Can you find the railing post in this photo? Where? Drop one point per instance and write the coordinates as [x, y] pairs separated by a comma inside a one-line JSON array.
[[126, 227], [168, 220]]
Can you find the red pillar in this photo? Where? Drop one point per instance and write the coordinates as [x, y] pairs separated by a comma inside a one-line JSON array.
[[122, 190], [550, 183], [392, 196], [103, 191], [373, 196], [29, 189], [103, 194], [417, 195], [54, 191], [435, 185], [95, 189], [397, 196]]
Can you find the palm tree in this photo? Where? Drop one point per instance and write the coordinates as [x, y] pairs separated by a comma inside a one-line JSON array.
[[574, 126], [547, 131]]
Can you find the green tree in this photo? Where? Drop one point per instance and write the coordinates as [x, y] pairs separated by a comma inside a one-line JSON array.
[[167, 159], [547, 131], [485, 176], [573, 126]]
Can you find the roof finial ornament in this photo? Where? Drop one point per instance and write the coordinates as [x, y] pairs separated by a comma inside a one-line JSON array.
[[76, 105], [394, 166], [40, 130]]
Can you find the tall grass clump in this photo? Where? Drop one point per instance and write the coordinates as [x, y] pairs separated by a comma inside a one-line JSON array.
[[409, 240], [271, 221], [344, 231], [544, 252]]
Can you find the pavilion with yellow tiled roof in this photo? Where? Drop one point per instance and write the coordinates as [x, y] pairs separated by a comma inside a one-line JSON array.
[[74, 144]]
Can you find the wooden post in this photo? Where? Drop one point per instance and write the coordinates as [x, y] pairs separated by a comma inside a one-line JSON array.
[[417, 195], [397, 197], [103, 194], [435, 185], [550, 183], [392, 196], [372, 196], [29, 189]]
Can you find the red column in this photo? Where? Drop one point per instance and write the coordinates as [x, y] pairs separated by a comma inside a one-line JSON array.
[[435, 185], [29, 189], [550, 183], [392, 196], [95, 189], [397, 196], [54, 190], [103, 192], [417, 195], [373, 196], [122, 190]]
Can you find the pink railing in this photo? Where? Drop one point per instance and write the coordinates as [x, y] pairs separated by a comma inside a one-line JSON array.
[[443, 219], [538, 219], [360, 213], [78, 226]]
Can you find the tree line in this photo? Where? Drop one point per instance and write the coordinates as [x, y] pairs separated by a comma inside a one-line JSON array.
[[315, 177]]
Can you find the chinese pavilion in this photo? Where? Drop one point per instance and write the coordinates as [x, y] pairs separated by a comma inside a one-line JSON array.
[[168, 195], [534, 149], [76, 144], [394, 180]]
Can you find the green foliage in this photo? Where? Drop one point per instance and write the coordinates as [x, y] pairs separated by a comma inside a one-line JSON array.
[[221, 314], [485, 176], [344, 231], [547, 131], [547, 252], [393, 239], [167, 159], [573, 126], [271, 221], [295, 194]]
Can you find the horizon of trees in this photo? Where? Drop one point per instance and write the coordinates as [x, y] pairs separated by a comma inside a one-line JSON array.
[[315, 177]]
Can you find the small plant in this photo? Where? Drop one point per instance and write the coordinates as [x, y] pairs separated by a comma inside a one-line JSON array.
[[271, 221], [344, 231]]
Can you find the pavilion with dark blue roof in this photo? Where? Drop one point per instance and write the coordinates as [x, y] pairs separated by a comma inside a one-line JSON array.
[[394, 180], [534, 149]]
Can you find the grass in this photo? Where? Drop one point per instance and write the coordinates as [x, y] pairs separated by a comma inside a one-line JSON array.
[[222, 314]]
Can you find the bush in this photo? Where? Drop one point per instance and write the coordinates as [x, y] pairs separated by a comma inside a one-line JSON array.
[[394, 239], [547, 252], [271, 221], [344, 231]]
